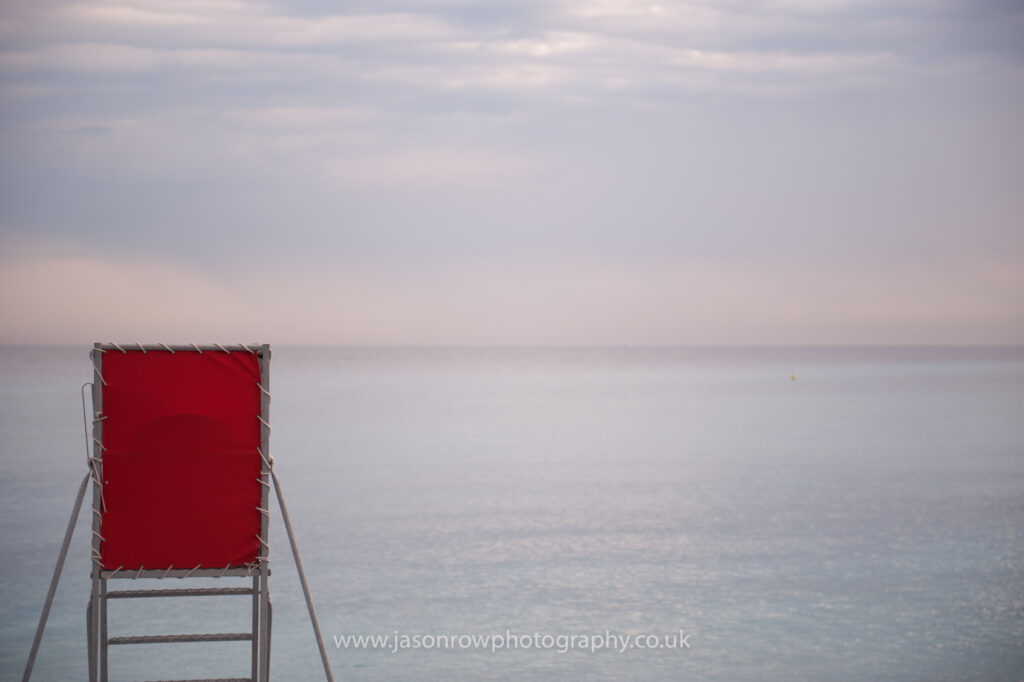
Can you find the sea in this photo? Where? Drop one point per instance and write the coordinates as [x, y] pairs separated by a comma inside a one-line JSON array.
[[731, 514]]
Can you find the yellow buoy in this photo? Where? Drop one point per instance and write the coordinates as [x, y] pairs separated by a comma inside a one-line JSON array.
[[792, 377]]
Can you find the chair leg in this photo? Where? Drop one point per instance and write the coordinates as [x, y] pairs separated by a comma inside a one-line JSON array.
[[302, 580], [103, 631], [255, 628], [90, 639], [54, 580]]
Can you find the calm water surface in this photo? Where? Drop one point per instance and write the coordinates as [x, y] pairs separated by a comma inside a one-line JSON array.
[[863, 522]]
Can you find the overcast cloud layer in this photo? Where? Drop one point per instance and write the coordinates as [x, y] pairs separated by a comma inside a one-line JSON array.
[[563, 172]]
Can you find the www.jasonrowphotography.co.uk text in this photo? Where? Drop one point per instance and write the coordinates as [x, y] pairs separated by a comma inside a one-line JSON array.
[[397, 641]]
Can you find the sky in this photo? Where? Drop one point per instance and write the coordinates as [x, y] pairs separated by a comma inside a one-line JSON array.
[[516, 172]]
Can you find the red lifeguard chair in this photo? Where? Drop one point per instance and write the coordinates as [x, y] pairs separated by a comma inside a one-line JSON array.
[[181, 473]]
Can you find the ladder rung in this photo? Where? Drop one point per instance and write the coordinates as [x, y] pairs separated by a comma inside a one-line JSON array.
[[187, 592], [219, 679], [161, 639], [205, 679]]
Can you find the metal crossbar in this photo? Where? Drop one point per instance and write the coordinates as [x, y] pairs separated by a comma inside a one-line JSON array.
[[244, 571], [187, 592], [167, 639], [210, 679], [175, 347]]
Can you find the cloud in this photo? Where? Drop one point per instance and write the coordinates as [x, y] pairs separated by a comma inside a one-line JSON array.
[[107, 58], [511, 158], [135, 16], [77, 297], [430, 167], [600, 47], [250, 24]]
